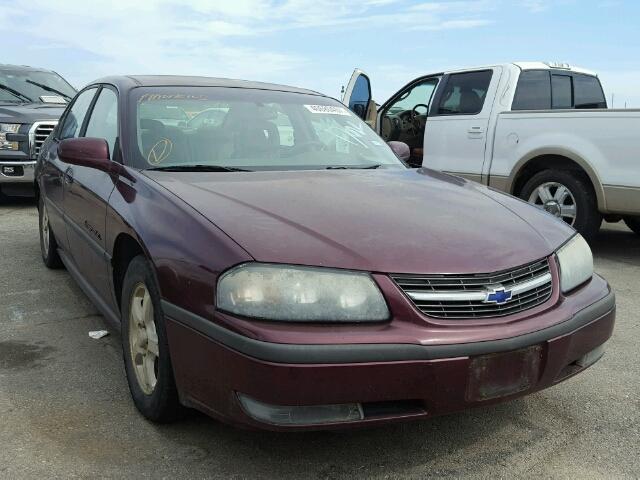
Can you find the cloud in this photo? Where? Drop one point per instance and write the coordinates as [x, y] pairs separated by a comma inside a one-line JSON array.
[[202, 37]]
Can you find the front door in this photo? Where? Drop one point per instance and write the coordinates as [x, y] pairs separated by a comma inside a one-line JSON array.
[[456, 133], [86, 197]]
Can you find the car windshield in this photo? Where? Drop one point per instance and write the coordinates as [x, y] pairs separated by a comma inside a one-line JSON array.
[[19, 86], [238, 129]]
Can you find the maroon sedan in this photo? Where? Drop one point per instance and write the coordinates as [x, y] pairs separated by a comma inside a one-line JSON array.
[[272, 263]]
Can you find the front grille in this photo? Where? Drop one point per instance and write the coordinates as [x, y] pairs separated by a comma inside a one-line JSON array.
[[468, 296], [38, 134]]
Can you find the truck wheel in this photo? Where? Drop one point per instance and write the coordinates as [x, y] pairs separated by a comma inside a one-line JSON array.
[[633, 223], [567, 195], [145, 347], [48, 244]]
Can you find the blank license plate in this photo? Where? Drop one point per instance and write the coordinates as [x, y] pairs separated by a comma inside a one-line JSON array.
[[501, 374]]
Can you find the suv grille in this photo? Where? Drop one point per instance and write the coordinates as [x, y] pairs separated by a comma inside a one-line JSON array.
[[479, 295], [38, 134]]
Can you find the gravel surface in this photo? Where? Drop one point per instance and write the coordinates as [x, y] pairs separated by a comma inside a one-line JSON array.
[[65, 410]]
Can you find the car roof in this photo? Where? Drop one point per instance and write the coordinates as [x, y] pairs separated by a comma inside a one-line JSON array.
[[127, 82], [530, 66], [6, 66]]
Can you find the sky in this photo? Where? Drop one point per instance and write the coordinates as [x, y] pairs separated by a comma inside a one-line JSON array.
[[316, 44]]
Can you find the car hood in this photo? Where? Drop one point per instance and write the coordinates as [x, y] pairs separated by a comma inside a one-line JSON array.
[[392, 221], [30, 112]]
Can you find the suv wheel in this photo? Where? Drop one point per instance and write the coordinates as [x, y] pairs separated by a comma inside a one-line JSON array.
[[145, 347], [633, 223], [48, 244], [568, 196]]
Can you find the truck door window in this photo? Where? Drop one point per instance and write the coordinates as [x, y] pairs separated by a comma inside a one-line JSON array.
[[533, 91], [75, 116], [360, 97], [405, 117], [588, 92], [561, 91], [103, 122], [464, 93]]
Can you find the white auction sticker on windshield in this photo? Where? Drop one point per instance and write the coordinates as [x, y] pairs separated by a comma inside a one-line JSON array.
[[327, 109]]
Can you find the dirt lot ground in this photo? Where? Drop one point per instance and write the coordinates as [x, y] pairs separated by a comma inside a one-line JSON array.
[[65, 409]]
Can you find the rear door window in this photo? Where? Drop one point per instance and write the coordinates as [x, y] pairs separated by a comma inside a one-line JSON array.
[[561, 91], [588, 92], [464, 93], [533, 91]]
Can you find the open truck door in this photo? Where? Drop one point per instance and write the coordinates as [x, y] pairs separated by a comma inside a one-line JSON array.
[[357, 96]]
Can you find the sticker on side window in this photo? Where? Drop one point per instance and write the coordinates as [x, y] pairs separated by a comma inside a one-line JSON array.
[[327, 109]]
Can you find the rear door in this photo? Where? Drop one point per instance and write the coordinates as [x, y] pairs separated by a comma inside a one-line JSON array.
[[86, 196], [456, 131]]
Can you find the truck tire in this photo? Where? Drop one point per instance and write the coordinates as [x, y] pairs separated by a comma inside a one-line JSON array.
[[145, 347], [567, 195], [633, 223]]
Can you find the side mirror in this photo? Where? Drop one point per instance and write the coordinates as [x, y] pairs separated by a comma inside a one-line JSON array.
[[85, 152], [401, 149]]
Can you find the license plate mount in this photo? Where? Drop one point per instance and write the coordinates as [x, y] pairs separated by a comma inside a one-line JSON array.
[[502, 374]]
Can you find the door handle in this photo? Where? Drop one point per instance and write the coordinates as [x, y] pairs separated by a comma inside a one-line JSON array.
[[475, 132]]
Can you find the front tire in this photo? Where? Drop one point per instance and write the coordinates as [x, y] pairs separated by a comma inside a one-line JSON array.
[[567, 195], [633, 223], [48, 244], [145, 347]]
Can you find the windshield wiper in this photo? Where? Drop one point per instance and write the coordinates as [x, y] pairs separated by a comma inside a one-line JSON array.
[[48, 88], [198, 168], [16, 93], [351, 167]]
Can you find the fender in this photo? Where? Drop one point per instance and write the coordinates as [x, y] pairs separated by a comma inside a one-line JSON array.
[[558, 152]]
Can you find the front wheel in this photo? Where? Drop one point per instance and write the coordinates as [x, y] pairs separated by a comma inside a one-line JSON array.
[[145, 347], [633, 223], [567, 195]]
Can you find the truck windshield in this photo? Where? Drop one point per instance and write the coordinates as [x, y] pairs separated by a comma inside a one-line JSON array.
[[20, 86], [239, 129]]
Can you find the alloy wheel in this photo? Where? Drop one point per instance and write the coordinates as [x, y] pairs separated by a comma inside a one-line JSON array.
[[44, 226], [556, 199], [143, 339]]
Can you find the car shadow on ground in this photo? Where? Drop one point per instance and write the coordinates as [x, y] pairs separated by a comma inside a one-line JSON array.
[[616, 242], [369, 452]]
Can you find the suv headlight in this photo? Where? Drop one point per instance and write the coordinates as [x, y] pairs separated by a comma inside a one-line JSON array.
[[576, 263], [8, 128], [300, 294]]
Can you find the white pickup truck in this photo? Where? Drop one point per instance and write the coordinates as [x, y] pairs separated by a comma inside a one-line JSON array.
[[538, 131]]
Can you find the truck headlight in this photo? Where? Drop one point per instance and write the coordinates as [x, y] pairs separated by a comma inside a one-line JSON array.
[[576, 263], [300, 294], [8, 128]]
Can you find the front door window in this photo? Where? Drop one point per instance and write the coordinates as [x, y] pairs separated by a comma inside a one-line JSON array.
[[404, 119]]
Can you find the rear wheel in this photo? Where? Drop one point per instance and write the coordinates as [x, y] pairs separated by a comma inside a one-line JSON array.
[[48, 244], [633, 223], [567, 195], [145, 347]]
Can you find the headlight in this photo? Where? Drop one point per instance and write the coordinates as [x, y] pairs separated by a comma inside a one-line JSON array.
[[8, 128], [576, 263], [300, 294]]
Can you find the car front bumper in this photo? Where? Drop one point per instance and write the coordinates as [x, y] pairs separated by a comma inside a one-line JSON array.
[[225, 374], [16, 178]]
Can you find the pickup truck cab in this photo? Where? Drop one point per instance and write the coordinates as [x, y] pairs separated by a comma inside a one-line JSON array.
[[31, 101], [538, 131]]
